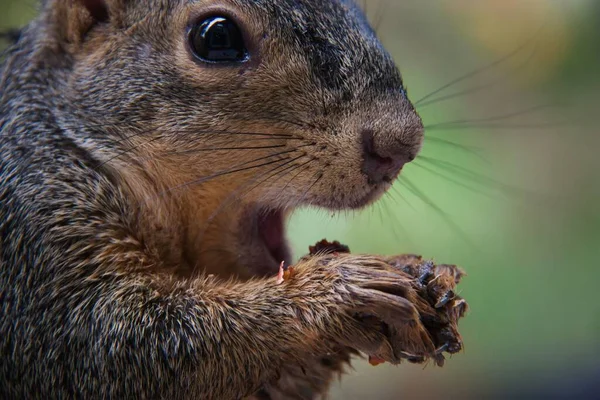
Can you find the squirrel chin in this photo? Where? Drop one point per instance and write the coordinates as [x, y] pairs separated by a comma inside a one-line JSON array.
[[370, 195]]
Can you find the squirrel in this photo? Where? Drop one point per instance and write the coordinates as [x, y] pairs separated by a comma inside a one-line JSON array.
[[150, 153]]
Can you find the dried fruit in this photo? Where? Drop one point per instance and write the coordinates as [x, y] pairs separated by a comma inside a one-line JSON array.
[[285, 273], [280, 275], [375, 361], [325, 247]]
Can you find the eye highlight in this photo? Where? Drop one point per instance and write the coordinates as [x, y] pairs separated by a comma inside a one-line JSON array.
[[218, 40]]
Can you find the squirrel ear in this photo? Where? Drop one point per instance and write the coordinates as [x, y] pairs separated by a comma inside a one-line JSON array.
[[73, 19], [98, 9]]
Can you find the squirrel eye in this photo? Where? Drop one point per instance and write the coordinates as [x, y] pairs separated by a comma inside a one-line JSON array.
[[218, 39]]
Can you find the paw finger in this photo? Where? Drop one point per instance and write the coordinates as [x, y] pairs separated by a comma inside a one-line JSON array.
[[366, 337], [393, 310], [412, 342]]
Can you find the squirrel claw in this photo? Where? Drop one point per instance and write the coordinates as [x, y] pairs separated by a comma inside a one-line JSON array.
[[449, 295], [442, 348], [426, 277], [412, 358]]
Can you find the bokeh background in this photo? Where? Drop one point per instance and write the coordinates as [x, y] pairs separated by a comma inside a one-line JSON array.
[[508, 187]]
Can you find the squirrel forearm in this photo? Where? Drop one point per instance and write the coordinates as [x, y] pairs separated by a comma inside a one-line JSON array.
[[209, 339]]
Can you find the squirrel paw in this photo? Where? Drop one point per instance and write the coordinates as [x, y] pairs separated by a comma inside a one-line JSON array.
[[436, 300], [396, 308]]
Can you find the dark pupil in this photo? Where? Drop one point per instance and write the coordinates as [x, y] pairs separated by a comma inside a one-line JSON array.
[[218, 39]]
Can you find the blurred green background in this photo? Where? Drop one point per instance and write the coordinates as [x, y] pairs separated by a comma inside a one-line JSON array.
[[507, 187]]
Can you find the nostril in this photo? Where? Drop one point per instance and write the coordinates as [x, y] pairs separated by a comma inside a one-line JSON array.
[[368, 141], [379, 159], [381, 168]]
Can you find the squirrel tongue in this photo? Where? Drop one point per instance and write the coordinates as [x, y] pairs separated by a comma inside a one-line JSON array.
[[271, 229]]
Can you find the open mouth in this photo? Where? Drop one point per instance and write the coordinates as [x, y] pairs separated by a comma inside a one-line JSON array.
[[263, 232], [264, 240], [271, 230]]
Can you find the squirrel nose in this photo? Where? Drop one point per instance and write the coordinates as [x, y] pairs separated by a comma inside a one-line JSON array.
[[383, 165]]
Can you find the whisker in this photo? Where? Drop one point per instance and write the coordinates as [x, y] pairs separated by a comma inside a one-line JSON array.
[[404, 181], [451, 179], [468, 149], [235, 194], [235, 169], [378, 206], [274, 172], [301, 199], [381, 11], [302, 167], [502, 126], [298, 124], [295, 176], [449, 221], [472, 176], [126, 151], [398, 193], [480, 70], [493, 118], [202, 134], [192, 151], [184, 152], [212, 149], [289, 169], [479, 88], [396, 221]]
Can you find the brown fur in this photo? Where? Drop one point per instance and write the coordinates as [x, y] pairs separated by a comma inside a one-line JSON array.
[[117, 200]]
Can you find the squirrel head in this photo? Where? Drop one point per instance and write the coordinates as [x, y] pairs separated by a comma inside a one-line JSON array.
[[244, 110]]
